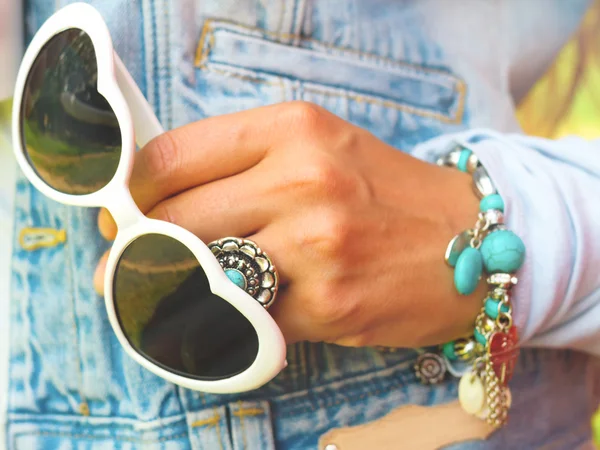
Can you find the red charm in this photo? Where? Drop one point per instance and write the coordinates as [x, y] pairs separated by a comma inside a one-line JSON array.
[[503, 354]]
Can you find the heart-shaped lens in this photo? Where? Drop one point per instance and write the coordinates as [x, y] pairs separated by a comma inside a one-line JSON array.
[[69, 132], [169, 314]]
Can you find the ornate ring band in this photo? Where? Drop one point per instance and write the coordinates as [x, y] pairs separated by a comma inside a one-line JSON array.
[[249, 267]]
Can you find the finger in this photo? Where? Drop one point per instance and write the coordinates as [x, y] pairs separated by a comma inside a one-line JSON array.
[[287, 310], [275, 242], [107, 225], [99, 274], [294, 318], [201, 152], [235, 206]]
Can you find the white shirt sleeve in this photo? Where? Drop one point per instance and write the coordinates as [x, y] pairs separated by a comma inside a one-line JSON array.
[[551, 191]]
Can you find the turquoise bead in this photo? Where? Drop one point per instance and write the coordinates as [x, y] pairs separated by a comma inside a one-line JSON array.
[[479, 337], [468, 271], [493, 201], [503, 251], [463, 159], [448, 349], [491, 308], [237, 278]]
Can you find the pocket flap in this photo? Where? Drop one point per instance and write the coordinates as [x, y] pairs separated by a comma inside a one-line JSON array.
[[422, 89]]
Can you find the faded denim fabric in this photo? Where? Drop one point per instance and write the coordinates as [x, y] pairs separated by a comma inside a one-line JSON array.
[[405, 70]]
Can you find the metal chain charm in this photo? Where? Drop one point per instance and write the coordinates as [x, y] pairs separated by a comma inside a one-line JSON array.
[[496, 397], [479, 231]]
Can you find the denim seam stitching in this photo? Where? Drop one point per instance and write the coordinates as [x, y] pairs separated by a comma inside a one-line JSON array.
[[95, 437], [218, 429], [346, 399], [359, 98], [279, 26], [168, 82], [298, 20], [400, 369], [243, 427], [206, 43], [206, 422], [213, 421], [155, 70], [211, 24]]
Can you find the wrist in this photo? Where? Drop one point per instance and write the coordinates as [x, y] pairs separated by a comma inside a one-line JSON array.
[[450, 194]]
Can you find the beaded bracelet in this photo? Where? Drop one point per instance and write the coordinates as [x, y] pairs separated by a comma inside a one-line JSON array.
[[484, 361]]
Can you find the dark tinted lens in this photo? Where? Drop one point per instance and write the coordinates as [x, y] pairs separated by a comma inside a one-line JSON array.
[[70, 134], [169, 315]]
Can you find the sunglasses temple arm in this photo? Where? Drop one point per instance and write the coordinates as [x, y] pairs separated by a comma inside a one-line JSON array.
[[145, 123]]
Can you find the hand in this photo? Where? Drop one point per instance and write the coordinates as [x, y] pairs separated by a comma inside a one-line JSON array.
[[356, 228]]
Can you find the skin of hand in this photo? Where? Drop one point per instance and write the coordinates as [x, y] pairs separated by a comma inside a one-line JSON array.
[[356, 228]]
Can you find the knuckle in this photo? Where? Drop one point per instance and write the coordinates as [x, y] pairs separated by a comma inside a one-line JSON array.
[[336, 309], [303, 116], [320, 173], [332, 236], [163, 156], [322, 176]]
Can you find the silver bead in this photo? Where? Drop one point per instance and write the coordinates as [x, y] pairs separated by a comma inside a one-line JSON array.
[[482, 183], [503, 280], [450, 158], [453, 157], [472, 163], [456, 246], [494, 217]]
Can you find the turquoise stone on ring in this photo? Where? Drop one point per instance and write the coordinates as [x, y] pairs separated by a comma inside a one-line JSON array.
[[468, 271], [237, 277], [503, 252]]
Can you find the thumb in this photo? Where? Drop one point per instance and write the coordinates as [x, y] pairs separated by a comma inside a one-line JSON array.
[[99, 274]]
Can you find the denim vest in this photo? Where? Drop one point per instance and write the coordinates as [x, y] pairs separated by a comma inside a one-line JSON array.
[[392, 68]]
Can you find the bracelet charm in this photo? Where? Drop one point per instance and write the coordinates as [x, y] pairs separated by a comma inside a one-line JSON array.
[[488, 248]]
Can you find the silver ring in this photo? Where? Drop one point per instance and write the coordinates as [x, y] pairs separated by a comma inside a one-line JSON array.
[[248, 267]]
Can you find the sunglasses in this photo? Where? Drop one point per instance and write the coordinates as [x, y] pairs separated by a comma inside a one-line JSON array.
[[169, 301]]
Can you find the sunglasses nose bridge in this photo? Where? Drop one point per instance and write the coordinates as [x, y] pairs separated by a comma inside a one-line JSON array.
[[123, 209]]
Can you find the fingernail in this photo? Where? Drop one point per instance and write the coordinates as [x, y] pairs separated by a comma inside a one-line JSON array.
[[99, 276], [107, 225]]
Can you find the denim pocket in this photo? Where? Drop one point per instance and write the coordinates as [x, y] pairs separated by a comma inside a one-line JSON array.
[[238, 67]]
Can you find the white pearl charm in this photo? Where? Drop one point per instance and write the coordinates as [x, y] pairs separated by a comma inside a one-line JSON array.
[[471, 393]]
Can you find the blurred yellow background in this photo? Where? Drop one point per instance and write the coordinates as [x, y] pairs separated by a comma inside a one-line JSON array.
[[567, 99]]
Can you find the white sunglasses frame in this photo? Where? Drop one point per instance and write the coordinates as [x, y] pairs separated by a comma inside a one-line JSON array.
[[122, 93]]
